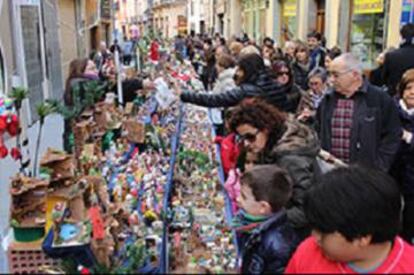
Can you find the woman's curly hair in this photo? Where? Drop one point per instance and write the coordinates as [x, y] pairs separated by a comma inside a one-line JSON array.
[[262, 116]]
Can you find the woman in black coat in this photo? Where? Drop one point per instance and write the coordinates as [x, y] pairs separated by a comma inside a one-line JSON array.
[[301, 66], [277, 138], [403, 168], [284, 76], [252, 79]]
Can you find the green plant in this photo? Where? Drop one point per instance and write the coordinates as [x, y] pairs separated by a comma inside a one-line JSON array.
[[200, 159], [69, 266], [130, 262], [85, 94], [18, 94], [43, 110], [136, 254]]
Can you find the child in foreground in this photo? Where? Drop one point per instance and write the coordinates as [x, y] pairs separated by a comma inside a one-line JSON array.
[[266, 239], [355, 215]]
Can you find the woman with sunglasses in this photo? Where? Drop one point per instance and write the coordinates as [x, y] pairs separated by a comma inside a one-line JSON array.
[[283, 76], [252, 79], [277, 138], [302, 65]]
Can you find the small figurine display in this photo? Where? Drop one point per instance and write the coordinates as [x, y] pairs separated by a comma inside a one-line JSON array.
[[137, 180], [110, 194], [200, 241]]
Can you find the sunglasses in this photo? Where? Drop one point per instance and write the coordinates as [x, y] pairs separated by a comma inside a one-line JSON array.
[[283, 73], [250, 137]]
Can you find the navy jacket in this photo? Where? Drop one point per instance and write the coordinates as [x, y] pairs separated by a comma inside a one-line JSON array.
[[269, 247], [376, 128], [317, 57], [403, 168]]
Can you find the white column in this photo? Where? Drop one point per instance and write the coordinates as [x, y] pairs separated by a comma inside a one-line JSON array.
[[332, 22], [393, 35], [235, 17], [303, 10]]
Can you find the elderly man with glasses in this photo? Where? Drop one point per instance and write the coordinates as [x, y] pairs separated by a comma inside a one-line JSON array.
[[356, 121]]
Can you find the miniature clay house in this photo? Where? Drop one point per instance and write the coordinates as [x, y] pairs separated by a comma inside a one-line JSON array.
[[59, 164], [28, 208]]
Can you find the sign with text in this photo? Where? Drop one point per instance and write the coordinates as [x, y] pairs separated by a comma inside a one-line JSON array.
[[106, 9], [289, 8], [407, 12], [368, 6]]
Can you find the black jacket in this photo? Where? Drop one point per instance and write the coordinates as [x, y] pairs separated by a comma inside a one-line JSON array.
[[376, 130], [395, 65], [296, 152], [269, 247], [263, 86], [300, 74], [376, 78], [403, 167], [294, 95]]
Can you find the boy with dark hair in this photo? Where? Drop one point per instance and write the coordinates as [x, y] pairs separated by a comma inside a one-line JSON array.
[[317, 52], [267, 41], [266, 239], [355, 215]]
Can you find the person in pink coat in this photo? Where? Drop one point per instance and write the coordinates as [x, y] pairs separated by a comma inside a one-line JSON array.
[[232, 184]]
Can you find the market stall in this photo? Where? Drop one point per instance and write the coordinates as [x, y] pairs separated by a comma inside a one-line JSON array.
[[142, 191]]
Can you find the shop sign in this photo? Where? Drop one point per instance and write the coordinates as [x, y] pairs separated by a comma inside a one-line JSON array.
[[106, 9], [407, 13], [182, 23], [368, 6], [289, 8]]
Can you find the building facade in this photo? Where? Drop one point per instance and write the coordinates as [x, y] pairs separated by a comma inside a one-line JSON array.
[[197, 16], [364, 27], [169, 17]]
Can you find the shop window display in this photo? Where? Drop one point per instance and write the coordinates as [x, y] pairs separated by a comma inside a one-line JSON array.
[[289, 20], [254, 18], [367, 30]]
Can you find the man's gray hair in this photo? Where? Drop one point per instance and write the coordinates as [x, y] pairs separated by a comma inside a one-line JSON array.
[[351, 62]]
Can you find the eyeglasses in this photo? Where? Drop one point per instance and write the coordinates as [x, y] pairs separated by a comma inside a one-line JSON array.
[[338, 74], [250, 137]]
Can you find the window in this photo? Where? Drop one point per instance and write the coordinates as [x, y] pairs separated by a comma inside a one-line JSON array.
[[289, 20], [368, 30]]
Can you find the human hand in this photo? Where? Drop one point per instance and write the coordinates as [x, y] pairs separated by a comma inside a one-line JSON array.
[[305, 115], [407, 136]]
